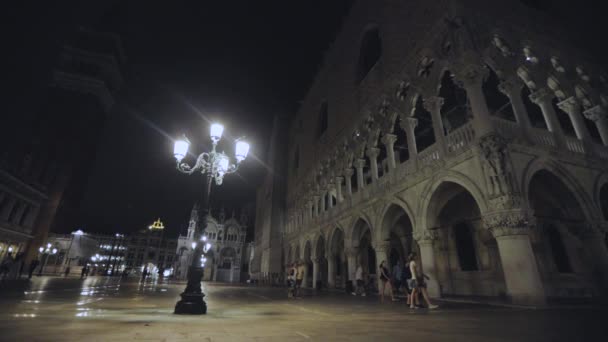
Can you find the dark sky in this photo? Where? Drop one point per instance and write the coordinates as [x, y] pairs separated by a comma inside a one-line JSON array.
[[238, 62]]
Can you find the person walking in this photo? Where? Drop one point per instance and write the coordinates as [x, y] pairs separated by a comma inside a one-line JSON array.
[[6, 265], [359, 284], [418, 285], [385, 282], [33, 266], [299, 278], [291, 281], [67, 271]]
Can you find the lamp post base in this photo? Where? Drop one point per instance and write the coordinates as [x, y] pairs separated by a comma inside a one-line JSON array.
[[191, 304]]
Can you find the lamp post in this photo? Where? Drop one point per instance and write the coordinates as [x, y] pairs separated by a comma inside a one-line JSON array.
[[45, 253], [214, 165]]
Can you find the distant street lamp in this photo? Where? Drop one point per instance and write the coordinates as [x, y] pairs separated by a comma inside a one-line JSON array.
[[67, 259], [44, 252], [215, 165]]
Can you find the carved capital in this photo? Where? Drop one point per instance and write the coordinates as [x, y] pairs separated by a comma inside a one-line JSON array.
[[409, 124], [348, 172], [471, 75], [510, 88], [595, 113], [389, 139], [505, 223], [351, 252], [426, 236], [542, 96], [433, 103], [359, 163], [570, 105], [373, 153], [382, 247]]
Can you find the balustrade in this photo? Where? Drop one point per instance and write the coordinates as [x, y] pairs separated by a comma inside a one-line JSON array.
[[575, 145], [460, 138], [429, 155], [542, 137]]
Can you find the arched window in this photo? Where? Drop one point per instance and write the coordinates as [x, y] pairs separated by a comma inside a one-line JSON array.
[[558, 250], [371, 50], [454, 111], [498, 103], [323, 119], [465, 247]]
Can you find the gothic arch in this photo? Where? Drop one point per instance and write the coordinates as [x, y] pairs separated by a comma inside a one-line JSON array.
[[360, 226], [563, 175], [427, 194], [394, 203]]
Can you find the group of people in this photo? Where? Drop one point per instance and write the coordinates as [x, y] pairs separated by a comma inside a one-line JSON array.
[[408, 277], [295, 276], [12, 267]]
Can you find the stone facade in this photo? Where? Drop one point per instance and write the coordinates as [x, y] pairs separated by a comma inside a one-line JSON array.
[[228, 253], [468, 131]]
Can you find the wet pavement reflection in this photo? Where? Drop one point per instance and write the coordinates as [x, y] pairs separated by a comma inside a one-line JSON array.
[[111, 309]]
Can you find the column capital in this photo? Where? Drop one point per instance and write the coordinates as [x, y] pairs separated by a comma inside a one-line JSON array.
[[510, 87], [507, 223], [542, 96], [373, 152], [408, 123], [359, 163], [348, 172], [471, 75], [382, 246], [339, 179], [569, 105], [389, 139], [433, 103], [595, 113], [426, 236], [351, 251]]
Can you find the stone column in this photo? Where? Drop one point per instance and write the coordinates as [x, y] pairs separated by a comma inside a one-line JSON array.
[[382, 250], [330, 203], [331, 271], [359, 164], [427, 262], [316, 207], [315, 272], [339, 197], [389, 142], [523, 281], [409, 126], [372, 153], [543, 98], [598, 115], [512, 89], [472, 79], [433, 105], [348, 173], [351, 258], [571, 107]]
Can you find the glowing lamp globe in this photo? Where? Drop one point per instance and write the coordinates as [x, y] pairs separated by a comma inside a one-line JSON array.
[[180, 148], [241, 150], [223, 163], [41, 249], [216, 131]]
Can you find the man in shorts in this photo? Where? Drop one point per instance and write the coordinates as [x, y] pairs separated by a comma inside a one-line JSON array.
[[299, 277]]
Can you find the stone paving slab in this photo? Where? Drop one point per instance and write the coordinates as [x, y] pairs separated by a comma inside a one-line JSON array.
[[107, 310]]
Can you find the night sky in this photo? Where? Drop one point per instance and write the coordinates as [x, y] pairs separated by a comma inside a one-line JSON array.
[[189, 62]]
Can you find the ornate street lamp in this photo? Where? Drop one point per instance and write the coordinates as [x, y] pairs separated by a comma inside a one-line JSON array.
[[45, 252], [215, 165]]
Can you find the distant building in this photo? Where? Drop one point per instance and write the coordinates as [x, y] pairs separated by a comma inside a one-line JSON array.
[[111, 254], [46, 156], [227, 258]]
